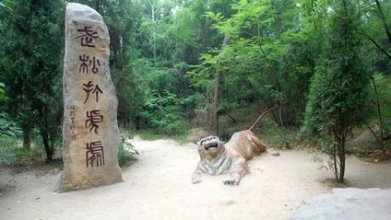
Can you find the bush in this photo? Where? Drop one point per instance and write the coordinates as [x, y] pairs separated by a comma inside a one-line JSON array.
[[339, 96], [164, 112], [9, 136], [126, 152]]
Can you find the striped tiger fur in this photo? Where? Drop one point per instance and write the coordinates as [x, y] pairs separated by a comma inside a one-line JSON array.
[[217, 157]]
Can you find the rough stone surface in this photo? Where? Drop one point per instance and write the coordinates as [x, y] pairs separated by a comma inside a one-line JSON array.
[[90, 129], [349, 203]]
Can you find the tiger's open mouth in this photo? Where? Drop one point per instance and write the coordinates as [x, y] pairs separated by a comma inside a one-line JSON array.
[[211, 145]]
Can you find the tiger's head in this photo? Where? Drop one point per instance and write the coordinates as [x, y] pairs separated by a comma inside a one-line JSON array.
[[210, 147]]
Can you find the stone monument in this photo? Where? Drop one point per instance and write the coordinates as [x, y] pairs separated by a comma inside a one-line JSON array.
[[90, 129]]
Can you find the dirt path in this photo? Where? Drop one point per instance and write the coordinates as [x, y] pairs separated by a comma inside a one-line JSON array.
[[158, 186]]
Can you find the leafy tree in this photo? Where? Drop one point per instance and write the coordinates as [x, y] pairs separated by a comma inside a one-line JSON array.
[[376, 31], [338, 98], [14, 72], [8, 128], [377, 20], [164, 112], [267, 59], [31, 53]]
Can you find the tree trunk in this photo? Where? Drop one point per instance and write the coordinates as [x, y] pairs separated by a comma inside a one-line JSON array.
[[378, 109], [48, 148], [116, 48], [45, 134], [341, 160], [153, 4], [216, 98], [138, 122], [280, 117], [377, 45], [335, 164], [27, 137]]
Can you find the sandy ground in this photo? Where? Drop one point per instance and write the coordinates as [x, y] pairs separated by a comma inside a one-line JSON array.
[[158, 186]]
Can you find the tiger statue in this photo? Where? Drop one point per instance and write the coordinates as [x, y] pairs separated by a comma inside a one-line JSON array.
[[217, 157]]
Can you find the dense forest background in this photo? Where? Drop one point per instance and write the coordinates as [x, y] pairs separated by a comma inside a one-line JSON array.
[[180, 64]]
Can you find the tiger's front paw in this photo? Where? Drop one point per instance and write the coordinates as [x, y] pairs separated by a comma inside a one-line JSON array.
[[196, 179], [231, 182]]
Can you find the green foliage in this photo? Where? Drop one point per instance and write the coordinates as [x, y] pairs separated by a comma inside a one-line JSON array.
[[384, 93], [9, 135], [383, 83], [11, 151], [339, 88], [374, 32], [131, 95], [30, 64], [164, 112], [338, 98], [126, 152], [8, 128], [15, 155], [277, 137], [162, 108], [152, 134], [267, 57]]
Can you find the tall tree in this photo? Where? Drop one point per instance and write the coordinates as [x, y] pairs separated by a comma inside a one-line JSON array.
[[261, 63], [216, 97], [15, 71], [338, 98], [30, 61]]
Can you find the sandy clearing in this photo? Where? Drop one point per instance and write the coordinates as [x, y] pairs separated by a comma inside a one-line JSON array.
[[158, 186]]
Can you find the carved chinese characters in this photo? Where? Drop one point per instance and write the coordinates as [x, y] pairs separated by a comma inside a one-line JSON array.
[[91, 88], [90, 130], [87, 36]]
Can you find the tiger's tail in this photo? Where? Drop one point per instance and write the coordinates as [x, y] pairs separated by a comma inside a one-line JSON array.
[[264, 113]]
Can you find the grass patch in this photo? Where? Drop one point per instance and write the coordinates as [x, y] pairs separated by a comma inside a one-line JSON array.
[[13, 155], [154, 134], [16, 155], [277, 137], [269, 133], [150, 134], [364, 154]]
